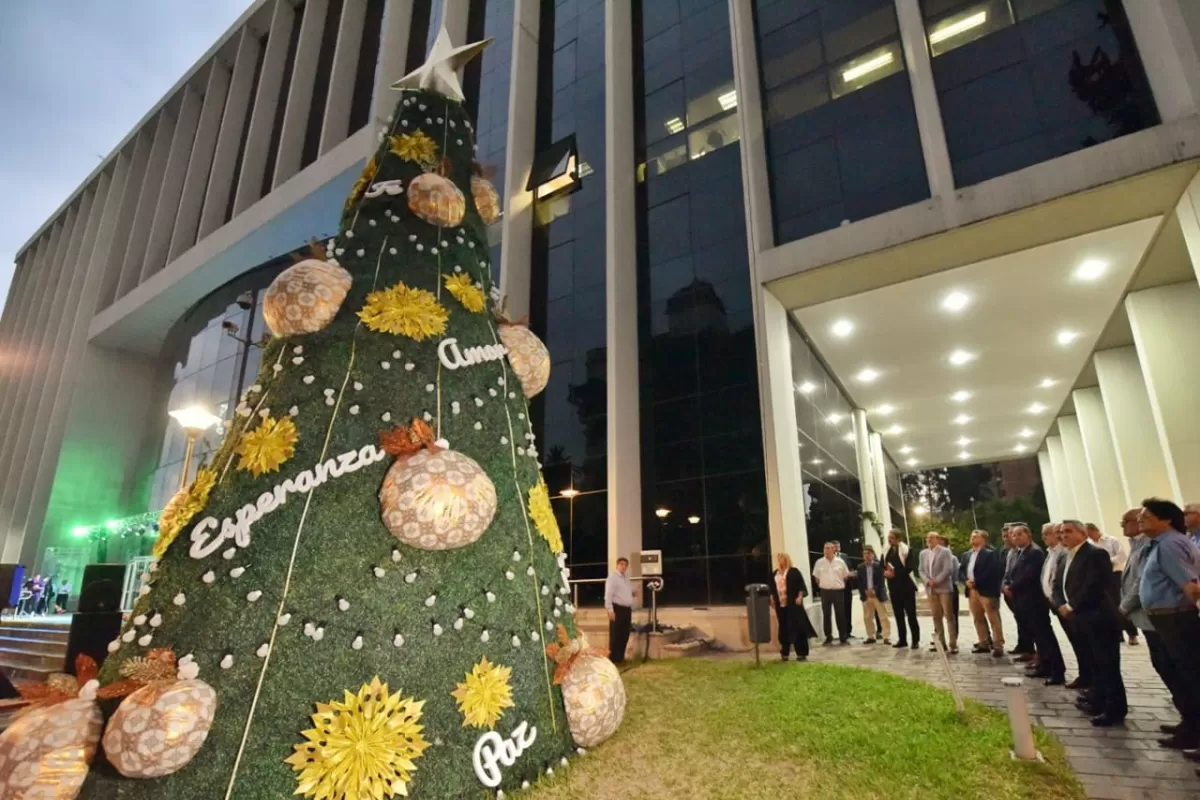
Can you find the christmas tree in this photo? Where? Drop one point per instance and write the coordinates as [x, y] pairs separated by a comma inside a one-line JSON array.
[[355, 598]]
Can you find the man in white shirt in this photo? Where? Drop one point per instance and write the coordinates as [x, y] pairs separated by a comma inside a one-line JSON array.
[[830, 575], [1118, 556], [618, 601], [937, 569]]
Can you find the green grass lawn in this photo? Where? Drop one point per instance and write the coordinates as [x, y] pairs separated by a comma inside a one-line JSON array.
[[723, 729]]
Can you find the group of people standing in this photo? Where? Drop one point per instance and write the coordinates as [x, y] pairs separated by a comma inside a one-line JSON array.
[[42, 595]]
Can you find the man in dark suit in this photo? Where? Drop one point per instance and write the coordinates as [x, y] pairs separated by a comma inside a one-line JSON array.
[[981, 571], [899, 563], [1024, 587], [1024, 647], [1089, 606], [873, 592]]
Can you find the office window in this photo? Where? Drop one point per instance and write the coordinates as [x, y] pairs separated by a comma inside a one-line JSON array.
[[841, 130], [1024, 81]]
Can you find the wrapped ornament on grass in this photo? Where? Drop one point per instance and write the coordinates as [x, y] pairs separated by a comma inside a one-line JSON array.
[[593, 692], [305, 297], [45, 754], [529, 357], [487, 200], [435, 199], [433, 498]]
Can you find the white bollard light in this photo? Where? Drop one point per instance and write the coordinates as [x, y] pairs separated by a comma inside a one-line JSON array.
[[1018, 720]]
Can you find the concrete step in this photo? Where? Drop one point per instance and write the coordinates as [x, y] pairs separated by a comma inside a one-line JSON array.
[[38, 639], [51, 659]]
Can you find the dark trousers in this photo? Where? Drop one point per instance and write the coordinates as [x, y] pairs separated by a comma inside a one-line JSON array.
[[1114, 592], [618, 633], [1103, 640], [904, 607], [793, 633], [1176, 682], [1181, 635], [1024, 636], [833, 604], [1083, 656], [849, 603], [1036, 613]]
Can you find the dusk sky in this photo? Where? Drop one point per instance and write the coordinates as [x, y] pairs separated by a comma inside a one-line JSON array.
[[77, 76]]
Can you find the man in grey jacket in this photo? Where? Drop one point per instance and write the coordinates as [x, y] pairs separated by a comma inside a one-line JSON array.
[[937, 570]]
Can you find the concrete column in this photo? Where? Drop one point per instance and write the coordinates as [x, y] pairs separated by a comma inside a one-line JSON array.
[[167, 208], [756, 185], [1188, 213], [1101, 456], [134, 161], [883, 508], [781, 442], [336, 125], [229, 138], [925, 99], [1062, 478], [266, 106], [866, 475], [1140, 459], [1167, 338], [454, 17], [393, 53], [1086, 503], [191, 200], [517, 223], [624, 429], [143, 218], [1168, 54], [300, 92], [1053, 505]]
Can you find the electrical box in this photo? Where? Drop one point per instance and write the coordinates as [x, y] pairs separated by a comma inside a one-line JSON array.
[[649, 562]]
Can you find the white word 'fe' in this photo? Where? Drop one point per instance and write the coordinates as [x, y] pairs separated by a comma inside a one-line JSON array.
[[206, 540], [492, 751]]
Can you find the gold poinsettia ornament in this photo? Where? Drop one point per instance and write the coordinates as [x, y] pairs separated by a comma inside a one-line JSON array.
[[466, 292], [182, 508], [268, 446], [542, 514], [484, 694], [415, 147], [404, 311]]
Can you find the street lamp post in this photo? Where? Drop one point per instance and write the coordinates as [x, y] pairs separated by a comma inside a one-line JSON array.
[[194, 420]]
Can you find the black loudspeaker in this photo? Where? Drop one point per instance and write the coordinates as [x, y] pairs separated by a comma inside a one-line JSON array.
[[7, 690], [90, 635], [11, 578], [102, 585]]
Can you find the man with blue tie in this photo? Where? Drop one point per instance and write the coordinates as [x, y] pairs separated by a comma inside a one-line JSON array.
[[1024, 585]]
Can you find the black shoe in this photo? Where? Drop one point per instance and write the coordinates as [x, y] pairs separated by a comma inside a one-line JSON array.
[[1133, 641], [980, 648], [1016, 651], [827, 642], [1172, 729], [1107, 721], [1055, 681], [783, 658], [1037, 673], [899, 645], [801, 658], [953, 651], [1180, 741], [997, 653], [916, 645], [1024, 658], [843, 642], [1078, 683], [1091, 709], [868, 641], [1192, 755]]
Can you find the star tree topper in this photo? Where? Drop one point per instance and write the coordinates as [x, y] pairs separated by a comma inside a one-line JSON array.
[[440, 70]]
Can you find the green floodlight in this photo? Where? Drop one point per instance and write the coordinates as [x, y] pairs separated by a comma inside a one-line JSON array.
[[80, 531], [113, 524]]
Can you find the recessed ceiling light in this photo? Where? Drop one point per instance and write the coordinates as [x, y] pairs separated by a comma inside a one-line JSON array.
[[849, 437], [1047, 383], [960, 357], [956, 301], [1036, 408], [842, 328], [1066, 336], [895, 430], [1024, 433], [866, 375], [817, 461], [962, 419], [884, 410], [1091, 269], [964, 455], [912, 462], [963, 441], [831, 472], [834, 418], [1019, 448], [808, 387], [905, 450], [961, 396]]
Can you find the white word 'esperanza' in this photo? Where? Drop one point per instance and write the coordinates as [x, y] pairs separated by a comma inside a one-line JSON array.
[[492, 752], [452, 357], [205, 538]]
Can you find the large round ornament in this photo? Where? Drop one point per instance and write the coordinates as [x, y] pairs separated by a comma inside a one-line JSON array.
[[46, 753], [159, 728], [437, 500], [305, 297], [529, 358], [594, 696], [436, 200], [487, 201]]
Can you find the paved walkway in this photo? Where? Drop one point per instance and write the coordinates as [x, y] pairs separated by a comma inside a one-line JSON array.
[[1112, 763]]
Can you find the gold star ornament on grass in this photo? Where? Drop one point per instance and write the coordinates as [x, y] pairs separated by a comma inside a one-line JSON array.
[[363, 747], [466, 292], [268, 446], [404, 311], [484, 695], [415, 147]]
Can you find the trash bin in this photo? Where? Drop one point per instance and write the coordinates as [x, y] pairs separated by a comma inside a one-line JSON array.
[[758, 613]]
